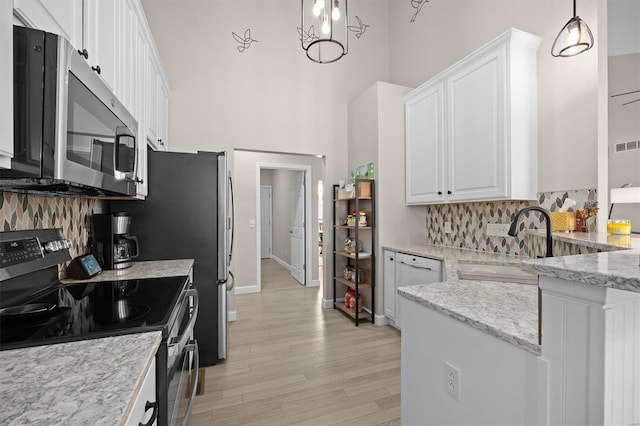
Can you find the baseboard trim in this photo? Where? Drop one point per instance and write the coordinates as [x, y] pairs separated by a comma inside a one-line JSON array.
[[381, 320], [231, 316], [327, 303], [314, 283], [281, 262], [246, 289]]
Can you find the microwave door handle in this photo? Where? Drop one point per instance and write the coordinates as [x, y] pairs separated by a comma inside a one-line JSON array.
[[192, 346], [120, 132], [181, 341]]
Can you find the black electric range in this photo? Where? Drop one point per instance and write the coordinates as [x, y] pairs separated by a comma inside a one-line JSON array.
[[64, 313]]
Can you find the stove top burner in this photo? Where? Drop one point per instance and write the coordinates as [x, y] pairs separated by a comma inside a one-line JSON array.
[[90, 310]]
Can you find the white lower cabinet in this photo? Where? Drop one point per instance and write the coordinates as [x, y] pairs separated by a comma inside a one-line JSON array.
[[146, 403], [401, 269], [471, 131]]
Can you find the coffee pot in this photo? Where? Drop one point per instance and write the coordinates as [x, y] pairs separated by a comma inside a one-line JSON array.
[[112, 245]]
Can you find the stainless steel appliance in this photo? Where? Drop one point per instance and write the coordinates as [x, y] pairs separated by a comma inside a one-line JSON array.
[[112, 245], [189, 214], [36, 309], [71, 134]]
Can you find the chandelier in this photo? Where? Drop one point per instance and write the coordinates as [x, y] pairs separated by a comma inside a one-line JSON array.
[[324, 30]]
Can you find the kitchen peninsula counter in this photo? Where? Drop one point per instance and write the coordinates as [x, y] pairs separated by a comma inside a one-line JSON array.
[[507, 311], [88, 382]]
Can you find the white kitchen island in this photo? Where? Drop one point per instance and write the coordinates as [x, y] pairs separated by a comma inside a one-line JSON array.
[[587, 370]]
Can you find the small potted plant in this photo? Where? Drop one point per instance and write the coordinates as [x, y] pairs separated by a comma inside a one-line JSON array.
[[590, 209]]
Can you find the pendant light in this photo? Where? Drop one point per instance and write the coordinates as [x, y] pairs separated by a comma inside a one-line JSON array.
[[324, 30], [574, 38]]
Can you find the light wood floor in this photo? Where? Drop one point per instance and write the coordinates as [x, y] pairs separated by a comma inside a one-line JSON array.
[[290, 362]]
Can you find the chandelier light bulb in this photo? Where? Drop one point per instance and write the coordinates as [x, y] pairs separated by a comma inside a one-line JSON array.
[[573, 36], [335, 13], [326, 28], [320, 4]]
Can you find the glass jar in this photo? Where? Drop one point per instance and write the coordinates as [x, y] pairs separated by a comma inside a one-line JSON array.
[[619, 227]]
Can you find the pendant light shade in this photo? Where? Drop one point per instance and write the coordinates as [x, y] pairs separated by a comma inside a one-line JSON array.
[[574, 38], [324, 30]]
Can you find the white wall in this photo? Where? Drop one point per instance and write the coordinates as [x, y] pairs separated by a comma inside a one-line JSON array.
[[446, 31], [246, 239], [271, 97], [624, 34], [624, 125]]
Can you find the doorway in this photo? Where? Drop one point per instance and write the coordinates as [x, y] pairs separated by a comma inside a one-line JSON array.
[[289, 227]]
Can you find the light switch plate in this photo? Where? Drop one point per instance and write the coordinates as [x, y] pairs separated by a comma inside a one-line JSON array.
[[447, 227], [252, 223]]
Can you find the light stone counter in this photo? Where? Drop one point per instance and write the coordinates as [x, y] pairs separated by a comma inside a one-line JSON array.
[[142, 270], [89, 382], [504, 310], [615, 269]]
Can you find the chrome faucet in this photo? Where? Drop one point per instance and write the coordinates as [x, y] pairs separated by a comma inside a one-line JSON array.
[[513, 231]]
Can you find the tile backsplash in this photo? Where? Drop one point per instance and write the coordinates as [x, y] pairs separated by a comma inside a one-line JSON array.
[[469, 221], [73, 215]]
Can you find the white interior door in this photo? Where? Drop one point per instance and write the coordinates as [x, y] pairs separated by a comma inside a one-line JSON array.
[[297, 228], [265, 222]]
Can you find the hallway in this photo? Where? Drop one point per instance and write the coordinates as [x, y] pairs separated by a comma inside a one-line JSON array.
[[291, 362]]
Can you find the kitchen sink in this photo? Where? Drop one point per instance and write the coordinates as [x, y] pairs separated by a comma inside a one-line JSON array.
[[495, 272]]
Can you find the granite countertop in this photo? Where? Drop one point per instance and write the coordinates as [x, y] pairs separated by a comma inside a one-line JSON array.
[[615, 269], [89, 382], [504, 310], [595, 240], [142, 270]]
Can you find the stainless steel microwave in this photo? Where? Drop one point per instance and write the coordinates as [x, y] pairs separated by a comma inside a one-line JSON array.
[[71, 134]]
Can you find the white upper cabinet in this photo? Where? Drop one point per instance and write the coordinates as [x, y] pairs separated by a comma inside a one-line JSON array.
[[6, 86], [62, 17], [163, 124], [472, 130]]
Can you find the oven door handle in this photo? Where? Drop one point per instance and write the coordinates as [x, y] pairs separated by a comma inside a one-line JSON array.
[[181, 341], [192, 346]]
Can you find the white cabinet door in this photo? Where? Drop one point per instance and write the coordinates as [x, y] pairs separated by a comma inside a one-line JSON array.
[[153, 99], [102, 27], [54, 16], [163, 116], [128, 57], [424, 115], [390, 284], [6, 85], [140, 110], [476, 134], [141, 412]]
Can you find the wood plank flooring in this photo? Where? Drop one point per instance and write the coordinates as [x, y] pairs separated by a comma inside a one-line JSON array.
[[290, 362]]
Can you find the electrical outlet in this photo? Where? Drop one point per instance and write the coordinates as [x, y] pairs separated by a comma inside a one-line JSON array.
[[252, 223], [498, 229], [447, 227], [452, 380]]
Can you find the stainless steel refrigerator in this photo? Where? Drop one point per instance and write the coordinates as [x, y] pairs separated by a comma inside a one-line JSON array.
[[188, 213]]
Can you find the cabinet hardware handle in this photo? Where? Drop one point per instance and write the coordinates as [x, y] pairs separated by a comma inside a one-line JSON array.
[[160, 142], [97, 69], [439, 192], [154, 415], [84, 53], [138, 180], [449, 192]]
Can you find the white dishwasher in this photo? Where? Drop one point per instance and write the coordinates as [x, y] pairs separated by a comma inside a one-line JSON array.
[[414, 270]]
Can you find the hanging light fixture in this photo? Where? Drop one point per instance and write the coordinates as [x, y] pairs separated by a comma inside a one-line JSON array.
[[324, 30], [574, 38]]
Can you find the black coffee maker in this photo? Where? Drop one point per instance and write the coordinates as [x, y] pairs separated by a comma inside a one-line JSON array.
[[112, 245]]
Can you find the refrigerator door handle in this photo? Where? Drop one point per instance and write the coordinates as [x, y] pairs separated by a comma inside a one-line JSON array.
[[231, 218], [232, 280]]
